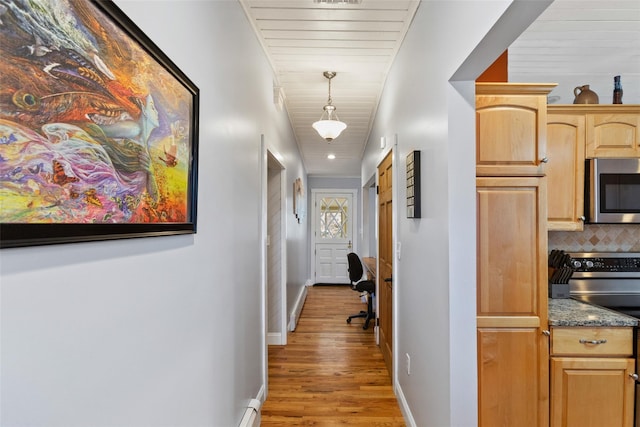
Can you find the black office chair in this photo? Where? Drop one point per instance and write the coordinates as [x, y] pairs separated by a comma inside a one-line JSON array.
[[369, 286]]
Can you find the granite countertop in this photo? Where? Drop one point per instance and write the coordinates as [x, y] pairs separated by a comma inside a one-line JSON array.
[[570, 312]]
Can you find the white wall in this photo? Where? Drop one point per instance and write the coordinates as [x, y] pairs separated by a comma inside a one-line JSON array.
[[434, 279], [602, 86], [162, 331]]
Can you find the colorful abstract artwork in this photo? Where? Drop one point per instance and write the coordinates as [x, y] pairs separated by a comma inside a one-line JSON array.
[[98, 128]]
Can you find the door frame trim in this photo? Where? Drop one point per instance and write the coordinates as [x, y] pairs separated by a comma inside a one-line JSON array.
[[396, 256], [397, 208], [265, 152], [370, 222], [395, 192], [393, 151], [263, 261], [354, 219], [281, 337]]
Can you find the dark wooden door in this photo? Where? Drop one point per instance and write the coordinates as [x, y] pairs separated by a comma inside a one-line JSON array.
[[385, 255]]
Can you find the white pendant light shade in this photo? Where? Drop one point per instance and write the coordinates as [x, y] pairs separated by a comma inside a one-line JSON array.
[[329, 127]]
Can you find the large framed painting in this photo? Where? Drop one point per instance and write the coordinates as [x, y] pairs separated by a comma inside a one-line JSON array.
[[98, 128]]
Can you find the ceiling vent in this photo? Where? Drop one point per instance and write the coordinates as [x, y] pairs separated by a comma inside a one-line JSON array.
[[338, 1]]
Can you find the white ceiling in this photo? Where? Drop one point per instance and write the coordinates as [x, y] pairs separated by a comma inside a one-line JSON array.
[[304, 38]]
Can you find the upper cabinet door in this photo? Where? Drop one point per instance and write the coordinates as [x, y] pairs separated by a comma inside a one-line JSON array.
[[613, 135], [511, 120], [565, 171]]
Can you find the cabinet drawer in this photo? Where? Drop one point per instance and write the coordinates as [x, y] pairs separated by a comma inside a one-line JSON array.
[[592, 341]]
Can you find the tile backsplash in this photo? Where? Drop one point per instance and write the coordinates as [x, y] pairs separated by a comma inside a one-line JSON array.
[[598, 238]]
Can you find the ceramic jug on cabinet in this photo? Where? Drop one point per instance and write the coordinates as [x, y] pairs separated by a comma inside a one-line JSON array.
[[584, 95]]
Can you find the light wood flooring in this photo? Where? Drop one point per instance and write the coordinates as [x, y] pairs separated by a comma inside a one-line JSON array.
[[330, 373]]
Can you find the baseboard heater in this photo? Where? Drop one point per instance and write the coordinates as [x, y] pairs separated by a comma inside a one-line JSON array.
[[251, 416]]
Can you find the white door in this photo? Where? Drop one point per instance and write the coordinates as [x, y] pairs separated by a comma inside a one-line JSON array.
[[334, 214]]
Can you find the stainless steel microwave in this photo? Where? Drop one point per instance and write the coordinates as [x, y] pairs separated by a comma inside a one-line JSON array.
[[613, 191]]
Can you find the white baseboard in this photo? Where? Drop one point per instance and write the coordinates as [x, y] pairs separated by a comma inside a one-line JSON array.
[[275, 338], [404, 407], [261, 394], [297, 308]]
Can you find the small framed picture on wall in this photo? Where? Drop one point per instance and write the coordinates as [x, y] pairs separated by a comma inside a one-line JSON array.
[[413, 185]]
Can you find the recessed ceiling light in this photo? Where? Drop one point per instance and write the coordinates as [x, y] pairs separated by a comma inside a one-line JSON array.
[[331, 156]]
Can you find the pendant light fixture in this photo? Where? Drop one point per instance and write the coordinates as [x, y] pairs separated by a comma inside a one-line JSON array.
[[329, 126]]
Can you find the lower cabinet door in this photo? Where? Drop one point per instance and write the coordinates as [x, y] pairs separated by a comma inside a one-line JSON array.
[[592, 392], [513, 366]]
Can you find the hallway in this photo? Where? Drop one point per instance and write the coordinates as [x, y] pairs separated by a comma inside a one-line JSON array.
[[330, 372]]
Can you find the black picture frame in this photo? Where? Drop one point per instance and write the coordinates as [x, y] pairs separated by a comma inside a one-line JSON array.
[[92, 14], [414, 203]]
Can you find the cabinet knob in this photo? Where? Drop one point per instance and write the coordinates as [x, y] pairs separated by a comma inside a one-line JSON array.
[[582, 218], [634, 376], [546, 332], [544, 160]]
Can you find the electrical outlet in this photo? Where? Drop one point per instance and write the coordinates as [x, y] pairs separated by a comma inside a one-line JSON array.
[[408, 364]]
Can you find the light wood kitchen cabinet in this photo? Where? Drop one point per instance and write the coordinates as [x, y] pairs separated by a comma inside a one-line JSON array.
[[610, 130], [511, 198], [511, 120], [613, 134], [513, 353], [576, 133], [512, 392], [592, 382], [512, 247], [565, 170], [511, 209]]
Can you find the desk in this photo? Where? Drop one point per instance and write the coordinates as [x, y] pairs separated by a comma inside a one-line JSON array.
[[370, 264]]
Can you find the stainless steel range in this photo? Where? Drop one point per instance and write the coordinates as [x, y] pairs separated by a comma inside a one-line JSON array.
[[610, 280]]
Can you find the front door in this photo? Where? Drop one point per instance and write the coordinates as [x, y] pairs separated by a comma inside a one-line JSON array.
[[333, 222], [385, 259]]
